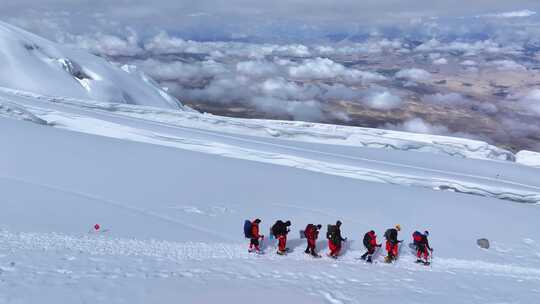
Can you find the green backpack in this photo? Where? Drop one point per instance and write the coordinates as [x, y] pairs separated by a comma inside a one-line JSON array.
[[331, 232]]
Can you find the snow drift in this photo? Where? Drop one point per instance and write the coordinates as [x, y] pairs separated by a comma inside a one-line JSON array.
[[35, 64]]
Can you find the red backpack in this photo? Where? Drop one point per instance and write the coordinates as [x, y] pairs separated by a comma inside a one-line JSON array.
[[417, 237], [308, 232]]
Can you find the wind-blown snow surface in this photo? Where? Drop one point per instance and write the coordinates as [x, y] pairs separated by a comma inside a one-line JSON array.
[[173, 199], [35, 64], [174, 220]]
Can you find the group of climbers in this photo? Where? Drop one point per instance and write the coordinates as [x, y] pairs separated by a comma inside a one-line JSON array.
[[280, 230]]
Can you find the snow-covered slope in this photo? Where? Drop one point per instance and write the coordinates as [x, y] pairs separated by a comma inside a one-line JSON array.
[[499, 179], [174, 220], [31, 63]]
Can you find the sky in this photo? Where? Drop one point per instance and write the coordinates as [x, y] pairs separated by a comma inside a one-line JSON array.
[[237, 19]]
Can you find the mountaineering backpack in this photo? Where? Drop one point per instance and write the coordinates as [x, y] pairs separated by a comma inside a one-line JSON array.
[[247, 229], [278, 228], [367, 240], [387, 234], [308, 231], [331, 233], [417, 238]]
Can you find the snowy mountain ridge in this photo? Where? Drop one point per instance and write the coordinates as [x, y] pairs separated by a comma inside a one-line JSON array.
[[35, 64], [303, 131]]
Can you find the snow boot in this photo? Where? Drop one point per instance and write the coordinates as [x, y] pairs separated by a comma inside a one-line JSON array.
[[332, 256], [369, 260]]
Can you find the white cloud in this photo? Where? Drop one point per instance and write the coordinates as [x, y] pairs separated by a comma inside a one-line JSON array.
[[531, 101], [182, 72], [110, 45], [469, 63], [512, 14], [324, 68], [371, 46], [440, 61], [383, 100], [281, 88], [469, 48], [257, 68], [487, 107], [294, 50], [507, 65], [418, 125], [162, 43], [309, 110], [414, 74]]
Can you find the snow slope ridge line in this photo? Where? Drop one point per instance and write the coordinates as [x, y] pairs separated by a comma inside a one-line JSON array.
[[381, 172], [299, 131], [58, 116], [95, 244]]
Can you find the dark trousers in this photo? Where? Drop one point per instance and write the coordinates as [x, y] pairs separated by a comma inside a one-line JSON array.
[[254, 243], [370, 251]]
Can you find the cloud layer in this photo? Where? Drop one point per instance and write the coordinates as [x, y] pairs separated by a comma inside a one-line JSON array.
[[383, 58]]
